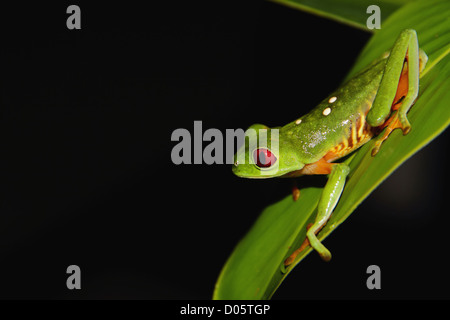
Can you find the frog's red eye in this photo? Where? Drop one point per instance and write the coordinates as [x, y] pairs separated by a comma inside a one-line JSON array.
[[264, 158]]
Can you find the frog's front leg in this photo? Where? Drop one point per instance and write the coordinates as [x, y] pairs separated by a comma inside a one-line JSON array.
[[327, 203], [399, 87]]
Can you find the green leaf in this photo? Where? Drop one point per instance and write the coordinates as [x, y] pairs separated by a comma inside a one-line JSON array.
[[351, 12], [255, 268]]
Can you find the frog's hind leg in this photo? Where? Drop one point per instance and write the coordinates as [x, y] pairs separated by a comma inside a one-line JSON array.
[[399, 87]]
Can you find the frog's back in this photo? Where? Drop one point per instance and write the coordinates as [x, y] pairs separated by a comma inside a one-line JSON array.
[[337, 126]]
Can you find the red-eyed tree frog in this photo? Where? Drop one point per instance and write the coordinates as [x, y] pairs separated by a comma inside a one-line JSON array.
[[371, 104]]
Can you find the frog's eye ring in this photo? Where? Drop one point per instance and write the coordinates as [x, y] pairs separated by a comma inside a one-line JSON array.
[[264, 158]]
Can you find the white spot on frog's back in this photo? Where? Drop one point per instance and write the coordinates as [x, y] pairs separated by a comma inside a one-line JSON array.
[[298, 121], [327, 111], [332, 99]]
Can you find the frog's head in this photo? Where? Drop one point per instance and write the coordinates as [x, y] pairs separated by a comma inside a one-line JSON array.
[[265, 154]]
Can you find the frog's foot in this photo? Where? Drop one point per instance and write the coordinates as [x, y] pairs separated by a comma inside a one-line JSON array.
[[289, 260], [295, 191], [394, 122], [323, 252]]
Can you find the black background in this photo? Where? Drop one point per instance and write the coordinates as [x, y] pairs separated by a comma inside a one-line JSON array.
[[87, 178]]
